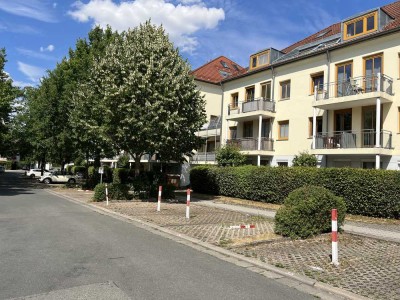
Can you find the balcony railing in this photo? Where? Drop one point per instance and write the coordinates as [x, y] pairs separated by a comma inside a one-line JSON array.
[[244, 144], [213, 124], [251, 105], [354, 86], [350, 139], [204, 156]]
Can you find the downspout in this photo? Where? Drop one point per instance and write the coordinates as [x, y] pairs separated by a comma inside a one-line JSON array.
[[328, 80], [222, 116]]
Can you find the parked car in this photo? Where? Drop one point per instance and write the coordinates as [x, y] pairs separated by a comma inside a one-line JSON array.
[[32, 173], [2, 169], [57, 177]]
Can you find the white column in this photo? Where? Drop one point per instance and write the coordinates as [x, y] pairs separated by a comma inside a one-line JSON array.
[[377, 162], [378, 123], [259, 139], [314, 127]]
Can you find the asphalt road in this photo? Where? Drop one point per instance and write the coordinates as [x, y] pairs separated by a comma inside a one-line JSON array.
[[51, 244]]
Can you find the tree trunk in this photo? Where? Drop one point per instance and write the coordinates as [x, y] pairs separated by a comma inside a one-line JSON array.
[[137, 164]]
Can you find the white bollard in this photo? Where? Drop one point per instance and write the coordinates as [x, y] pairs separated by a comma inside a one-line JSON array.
[[335, 251], [187, 203], [159, 198], [107, 194]]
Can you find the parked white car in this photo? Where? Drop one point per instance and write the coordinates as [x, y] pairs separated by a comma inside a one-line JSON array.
[[57, 177], [32, 173]]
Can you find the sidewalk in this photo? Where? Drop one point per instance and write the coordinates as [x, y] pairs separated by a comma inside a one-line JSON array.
[[369, 267], [383, 232]]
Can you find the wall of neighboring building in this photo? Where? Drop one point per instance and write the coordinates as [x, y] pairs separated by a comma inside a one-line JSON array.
[[213, 95]]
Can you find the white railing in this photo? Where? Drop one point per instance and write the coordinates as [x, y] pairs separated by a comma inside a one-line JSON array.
[[251, 105]]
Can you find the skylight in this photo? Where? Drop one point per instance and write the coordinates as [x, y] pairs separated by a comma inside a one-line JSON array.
[[224, 64]]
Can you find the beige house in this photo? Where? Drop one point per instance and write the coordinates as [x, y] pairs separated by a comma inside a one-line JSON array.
[[334, 94]]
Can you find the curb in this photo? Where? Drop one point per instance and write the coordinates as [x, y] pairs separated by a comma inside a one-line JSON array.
[[272, 272]]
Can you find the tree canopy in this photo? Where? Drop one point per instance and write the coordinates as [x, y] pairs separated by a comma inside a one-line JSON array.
[[145, 95]]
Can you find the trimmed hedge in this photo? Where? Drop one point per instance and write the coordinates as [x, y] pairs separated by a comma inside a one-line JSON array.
[[307, 212], [116, 191], [120, 175], [373, 193]]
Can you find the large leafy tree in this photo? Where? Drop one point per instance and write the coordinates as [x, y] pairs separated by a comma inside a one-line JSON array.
[[145, 95], [8, 93]]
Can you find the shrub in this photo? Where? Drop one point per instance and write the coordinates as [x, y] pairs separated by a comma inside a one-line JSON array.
[[230, 155], [202, 180], [115, 192], [68, 169], [123, 161], [78, 169], [307, 212], [120, 175], [304, 159]]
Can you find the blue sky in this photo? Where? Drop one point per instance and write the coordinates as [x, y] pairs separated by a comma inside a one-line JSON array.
[[38, 33]]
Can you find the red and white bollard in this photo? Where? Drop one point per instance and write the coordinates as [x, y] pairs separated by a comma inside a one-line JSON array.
[[335, 253], [159, 198], [187, 203], [106, 194]]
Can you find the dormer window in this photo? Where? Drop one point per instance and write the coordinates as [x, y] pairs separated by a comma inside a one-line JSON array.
[[361, 25], [260, 59]]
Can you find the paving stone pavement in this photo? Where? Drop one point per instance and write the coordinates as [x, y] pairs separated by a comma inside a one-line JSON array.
[[368, 266]]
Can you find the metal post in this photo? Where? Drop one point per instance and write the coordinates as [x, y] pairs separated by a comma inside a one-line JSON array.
[[378, 123], [107, 194], [187, 203], [159, 198], [335, 253]]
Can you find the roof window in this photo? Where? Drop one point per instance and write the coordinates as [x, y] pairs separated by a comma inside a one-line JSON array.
[[224, 64]]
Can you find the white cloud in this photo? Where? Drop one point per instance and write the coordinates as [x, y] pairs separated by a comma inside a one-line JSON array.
[[34, 54], [49, 48], [180, 21], [34, 9], [32, 72], [54, 4]]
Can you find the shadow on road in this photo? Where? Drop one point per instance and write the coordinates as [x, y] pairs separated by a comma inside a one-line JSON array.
[[14, 182]]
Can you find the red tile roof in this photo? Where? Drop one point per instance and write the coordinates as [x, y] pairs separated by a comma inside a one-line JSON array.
[[217, 70]]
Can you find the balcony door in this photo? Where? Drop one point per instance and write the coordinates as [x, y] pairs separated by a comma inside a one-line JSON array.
[[343, 120], [372, 66], [344, 73], [250, 93], [369, 126]]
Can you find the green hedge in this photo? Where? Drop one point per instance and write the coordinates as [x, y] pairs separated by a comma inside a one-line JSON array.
[[120, 175], [366, 192], [116, 191]]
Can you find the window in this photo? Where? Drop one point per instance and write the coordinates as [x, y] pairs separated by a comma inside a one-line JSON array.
[[285, 90], [283, 130], [234, 100], [362, 25], [233, 132], [344, 73], [343, 120], [248, 129], [283, 164], [266, 90], [265, 128], [398, 119], [310, 126], [260, 59], [318, 81], [372, 66], [224, 64], [249, 93]]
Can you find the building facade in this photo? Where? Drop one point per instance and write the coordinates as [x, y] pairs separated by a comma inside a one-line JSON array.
[[334, 94]]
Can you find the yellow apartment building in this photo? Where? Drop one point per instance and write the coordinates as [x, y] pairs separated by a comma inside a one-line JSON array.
[[334, 94]]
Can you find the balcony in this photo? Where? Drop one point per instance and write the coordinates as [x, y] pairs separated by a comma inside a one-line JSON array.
[[248, 109], [363, 142], [203, 157], [251, 144], [356, 91], [212, 128]]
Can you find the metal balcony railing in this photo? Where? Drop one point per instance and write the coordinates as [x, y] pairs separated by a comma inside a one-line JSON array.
[[354, 86], [244, 144], [213, 124], [350, 139], [251, 105], [204, 156]]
